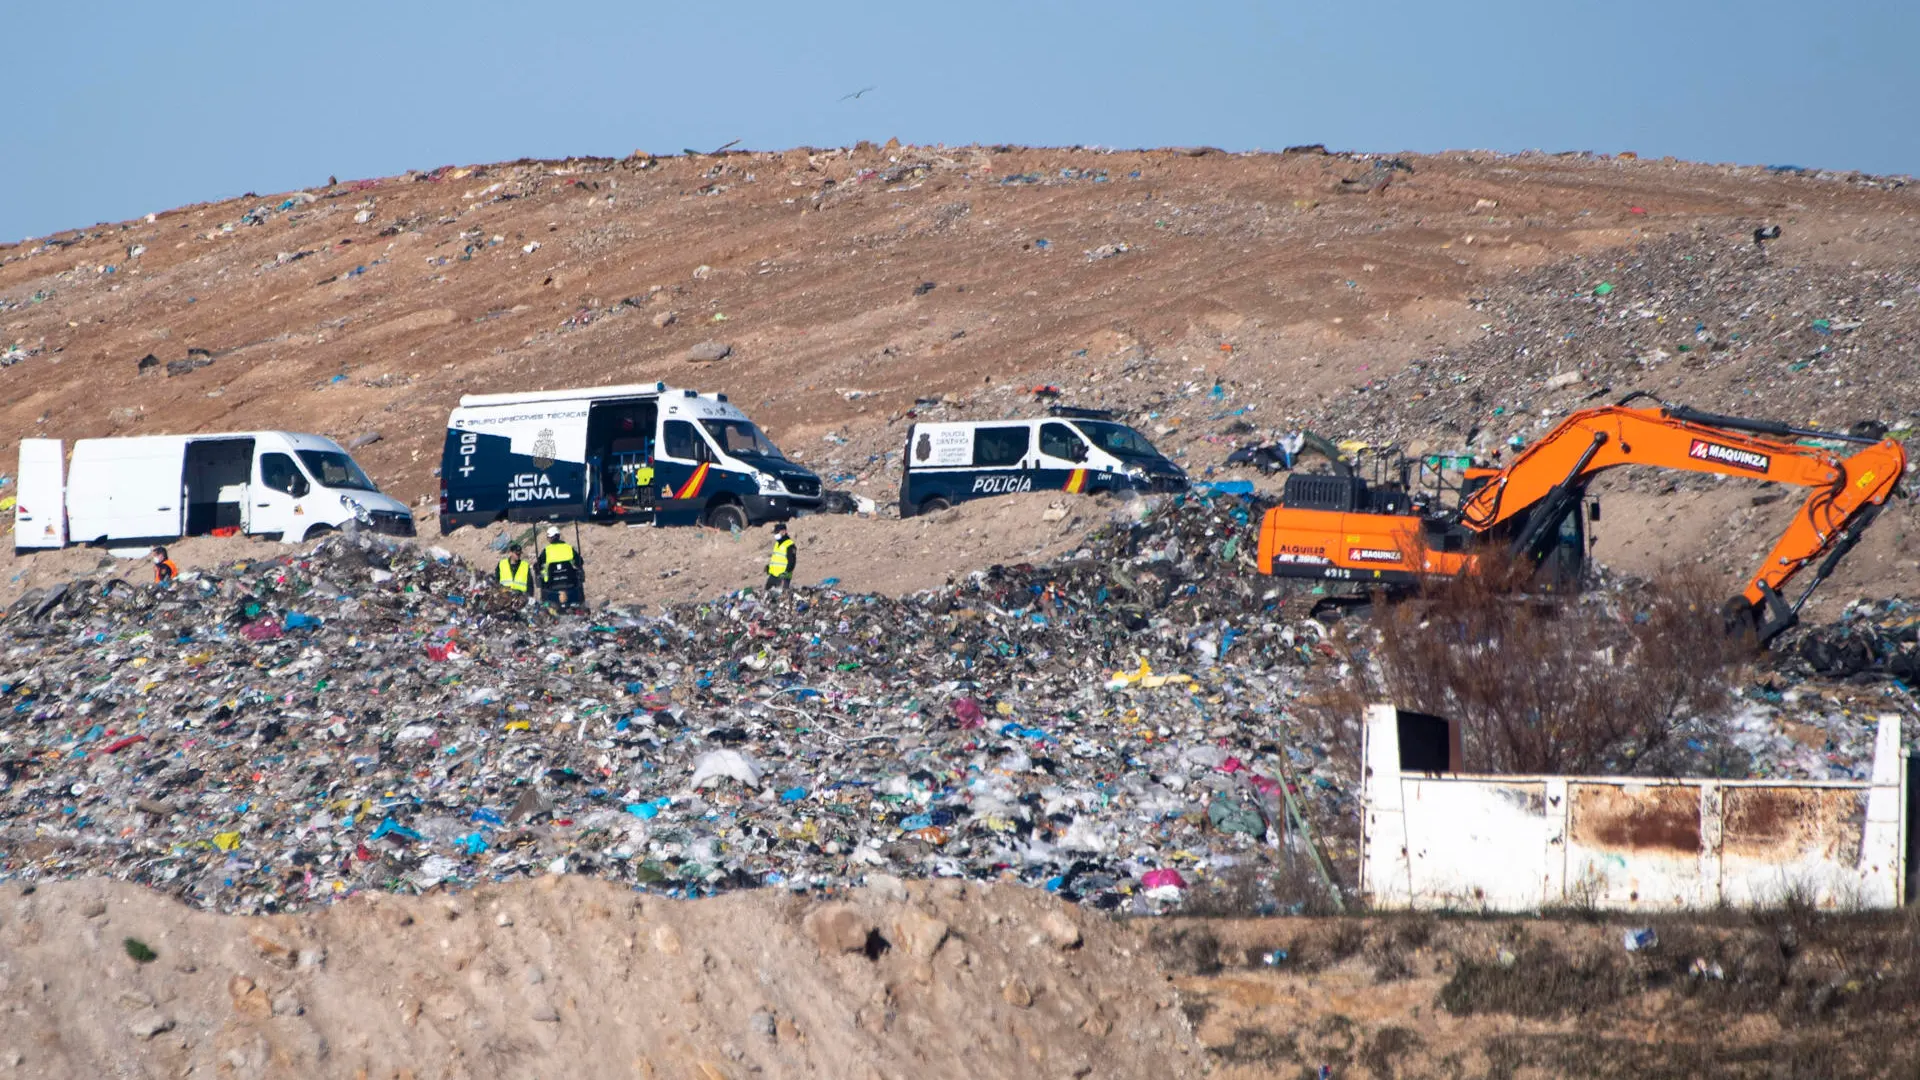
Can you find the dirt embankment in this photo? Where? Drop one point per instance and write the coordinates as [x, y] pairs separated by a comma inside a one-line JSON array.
[[643, 568], [571, 977]]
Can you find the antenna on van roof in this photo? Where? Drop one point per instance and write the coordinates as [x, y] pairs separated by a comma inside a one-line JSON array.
[[1072, 413]]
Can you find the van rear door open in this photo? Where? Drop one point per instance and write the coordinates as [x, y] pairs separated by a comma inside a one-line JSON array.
[[126, 489], [40, 504]]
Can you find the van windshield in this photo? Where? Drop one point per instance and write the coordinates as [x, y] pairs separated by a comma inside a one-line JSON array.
[[331, 468], [1118, 439], [739, 438]]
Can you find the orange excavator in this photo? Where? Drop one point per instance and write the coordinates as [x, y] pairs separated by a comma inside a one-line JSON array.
[[1383, 535]]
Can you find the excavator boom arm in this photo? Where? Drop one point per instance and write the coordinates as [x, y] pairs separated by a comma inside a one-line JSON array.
[[1846, 492]]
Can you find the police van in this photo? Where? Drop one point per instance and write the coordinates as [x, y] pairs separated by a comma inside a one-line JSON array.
[[1082, 451], [648, 453], [138, 491]]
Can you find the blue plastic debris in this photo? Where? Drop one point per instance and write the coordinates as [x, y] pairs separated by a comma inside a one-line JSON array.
[[390, 827], [1225, 487]]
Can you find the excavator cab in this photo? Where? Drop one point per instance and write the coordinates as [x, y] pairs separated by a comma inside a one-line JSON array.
[[1563, 558], [1557, 550]]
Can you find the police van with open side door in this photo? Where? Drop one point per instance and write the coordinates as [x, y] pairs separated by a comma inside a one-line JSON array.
[[644, 454], [1082, 451]]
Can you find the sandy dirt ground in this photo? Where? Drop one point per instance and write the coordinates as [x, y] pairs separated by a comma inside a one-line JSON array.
[[881, 554], [572, 977], [568, 976]]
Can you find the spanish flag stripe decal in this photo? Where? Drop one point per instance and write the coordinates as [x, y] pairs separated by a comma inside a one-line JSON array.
[[1077, 482], [693, 485]]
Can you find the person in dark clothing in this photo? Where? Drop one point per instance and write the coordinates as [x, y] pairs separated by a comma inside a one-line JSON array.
[[562, 577]]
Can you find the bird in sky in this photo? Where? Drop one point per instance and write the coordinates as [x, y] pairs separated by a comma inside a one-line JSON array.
[[855, 94]]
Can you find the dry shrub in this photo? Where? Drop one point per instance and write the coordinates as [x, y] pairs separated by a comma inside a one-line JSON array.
[[1288, 885], [1548, 684], [1190, 949], [1540, 983]]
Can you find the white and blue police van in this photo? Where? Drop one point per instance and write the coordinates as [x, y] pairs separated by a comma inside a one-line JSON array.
[[1081, 451], [647, 453]]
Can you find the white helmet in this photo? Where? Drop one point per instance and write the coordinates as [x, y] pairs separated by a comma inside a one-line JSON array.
[[553, 532]]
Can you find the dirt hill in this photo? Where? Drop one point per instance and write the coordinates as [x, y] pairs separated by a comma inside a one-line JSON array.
[[1362, 295], [567, 976]]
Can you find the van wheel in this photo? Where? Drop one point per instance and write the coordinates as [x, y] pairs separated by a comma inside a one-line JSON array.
[[935, 505], [727, 517], [315, 533]]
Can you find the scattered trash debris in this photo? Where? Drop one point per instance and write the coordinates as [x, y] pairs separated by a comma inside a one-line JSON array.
[[417, 728]]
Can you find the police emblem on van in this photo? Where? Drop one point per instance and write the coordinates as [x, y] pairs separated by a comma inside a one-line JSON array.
[[544, 449], [923, 449]]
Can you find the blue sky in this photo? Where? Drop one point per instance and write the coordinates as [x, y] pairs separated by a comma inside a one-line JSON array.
[[113, 109]]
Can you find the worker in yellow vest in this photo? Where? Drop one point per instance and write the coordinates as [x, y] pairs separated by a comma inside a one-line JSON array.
[[514, 572], [783, 562], [561, 577], [648, 498]]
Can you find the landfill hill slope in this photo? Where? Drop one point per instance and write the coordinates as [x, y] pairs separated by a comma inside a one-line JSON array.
[[571, 978], [644, 569], [852, 283]]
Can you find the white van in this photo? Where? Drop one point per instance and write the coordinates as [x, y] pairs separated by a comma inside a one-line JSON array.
[[154, 488]]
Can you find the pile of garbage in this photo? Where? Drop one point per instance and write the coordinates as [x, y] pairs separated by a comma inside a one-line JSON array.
[[1118, 726], [1723, 323], [1872, 639], [1115, 727]]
